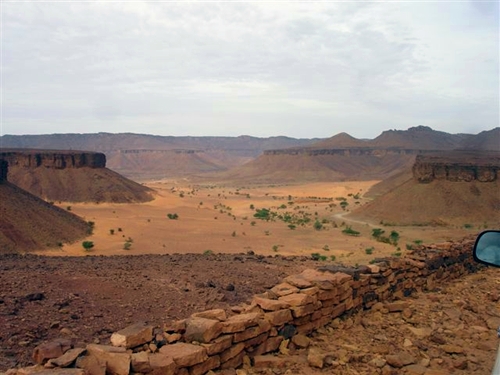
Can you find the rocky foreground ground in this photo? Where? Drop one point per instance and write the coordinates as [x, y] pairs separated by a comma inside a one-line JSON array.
[[451, 330]]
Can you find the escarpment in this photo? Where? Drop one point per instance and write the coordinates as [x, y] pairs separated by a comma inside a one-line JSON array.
[[3, 170], [448, 188], [53, 159], [458, 166], [351, 151], [70, 176], [30, 223]]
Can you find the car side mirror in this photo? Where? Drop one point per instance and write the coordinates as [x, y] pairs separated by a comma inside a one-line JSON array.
[[487, 248]]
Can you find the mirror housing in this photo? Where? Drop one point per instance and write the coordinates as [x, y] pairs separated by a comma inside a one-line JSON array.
[[487, 248]]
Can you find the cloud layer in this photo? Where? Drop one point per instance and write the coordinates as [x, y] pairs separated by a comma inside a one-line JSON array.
[[299, 69]]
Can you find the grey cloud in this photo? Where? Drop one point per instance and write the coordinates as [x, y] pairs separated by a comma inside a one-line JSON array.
[[334, 67]]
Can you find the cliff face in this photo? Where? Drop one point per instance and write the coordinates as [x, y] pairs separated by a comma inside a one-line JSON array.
[[3, 170], [70, 176], [352, 151], [462, 166], [53, 159]]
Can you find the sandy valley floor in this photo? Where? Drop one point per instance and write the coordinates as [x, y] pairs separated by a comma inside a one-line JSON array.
[[221, 220]]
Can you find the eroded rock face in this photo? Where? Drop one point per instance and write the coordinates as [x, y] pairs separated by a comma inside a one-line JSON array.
[[53, 159], [457, 166], [352, 151], [3, 170]]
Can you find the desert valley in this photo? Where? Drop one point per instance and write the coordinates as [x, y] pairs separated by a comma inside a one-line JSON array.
[[154, 229]]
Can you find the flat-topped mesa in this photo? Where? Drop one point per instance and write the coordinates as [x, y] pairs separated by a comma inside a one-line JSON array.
[[70, 176], [53, 158], [350, 151], [458, 166]]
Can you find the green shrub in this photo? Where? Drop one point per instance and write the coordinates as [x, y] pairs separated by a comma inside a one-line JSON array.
[[369, 250], [377, 232], [173, 216], [111, 231], [317, 225], [292, 226], [87, 245], [127, 245], [208, 252], [262, 214], [326, 248], [350, 232], [332, 258]]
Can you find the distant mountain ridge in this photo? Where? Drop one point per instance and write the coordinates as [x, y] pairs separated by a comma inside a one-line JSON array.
[[134, 156], [246, 158]]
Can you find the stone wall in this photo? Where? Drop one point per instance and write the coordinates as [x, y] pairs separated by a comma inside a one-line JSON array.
[[300, 304], [53, 159], [457, 167]]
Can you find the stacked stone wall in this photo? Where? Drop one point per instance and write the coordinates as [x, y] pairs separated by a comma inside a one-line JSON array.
[[300, 304]]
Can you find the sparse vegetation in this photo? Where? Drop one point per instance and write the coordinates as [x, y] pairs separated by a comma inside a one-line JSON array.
[[87, 245], [173, 216], [317, 225], [127, 245], [326, 248], [350, 232], [377, 232], [369, 250], [208, 252]]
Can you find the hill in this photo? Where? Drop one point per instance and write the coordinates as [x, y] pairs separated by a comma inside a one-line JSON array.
[[343, 157], [455, 188], [29, 223], [289, 166], [421, 138], [487, 140], [341, 140], [71, 176]]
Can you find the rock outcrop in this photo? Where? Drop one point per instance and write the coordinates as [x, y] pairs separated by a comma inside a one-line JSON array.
[[457, 166], [276, 320], [351, 151], [72, 176], [53, 159], [4, 167]]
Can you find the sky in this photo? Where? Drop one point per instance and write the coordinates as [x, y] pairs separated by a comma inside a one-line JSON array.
[[261, 68]]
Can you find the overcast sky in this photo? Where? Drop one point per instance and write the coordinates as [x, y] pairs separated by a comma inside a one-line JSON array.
[[301, 69]]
